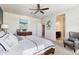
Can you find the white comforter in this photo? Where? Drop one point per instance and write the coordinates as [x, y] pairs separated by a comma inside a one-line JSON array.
[[21, 47], [41, 44], [30, 45]]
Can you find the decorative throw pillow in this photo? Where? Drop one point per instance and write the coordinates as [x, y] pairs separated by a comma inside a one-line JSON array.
[[18, 37]]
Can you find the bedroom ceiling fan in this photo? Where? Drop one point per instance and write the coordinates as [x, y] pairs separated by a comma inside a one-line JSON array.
[[38, 9]]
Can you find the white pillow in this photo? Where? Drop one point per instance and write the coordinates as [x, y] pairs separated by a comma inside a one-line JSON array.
[[2, 33], [8, 41], [11, 40], [4, 37], [5, 45], [1, 48]]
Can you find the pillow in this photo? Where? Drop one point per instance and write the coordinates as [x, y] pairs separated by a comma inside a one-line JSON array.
[[11, 40], [8, 41], [2, 33], [18, 37], [2, 48], [4, 45]]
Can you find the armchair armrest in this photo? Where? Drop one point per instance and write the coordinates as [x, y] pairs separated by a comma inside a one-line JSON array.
[[76, 44]]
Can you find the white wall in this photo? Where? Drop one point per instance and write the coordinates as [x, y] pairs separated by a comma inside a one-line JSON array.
[[50, 34], [72, 20], [13, 21], [71, 23]]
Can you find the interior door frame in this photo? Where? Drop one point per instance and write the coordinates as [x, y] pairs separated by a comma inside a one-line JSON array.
[[64, 30], [63, 25]]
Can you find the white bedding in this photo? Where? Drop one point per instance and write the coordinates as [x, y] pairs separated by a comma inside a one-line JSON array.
[[41, 44], [30, 45], [21, 47]]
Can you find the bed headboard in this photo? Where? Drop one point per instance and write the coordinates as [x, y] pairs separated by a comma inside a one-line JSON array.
[[1, 17]]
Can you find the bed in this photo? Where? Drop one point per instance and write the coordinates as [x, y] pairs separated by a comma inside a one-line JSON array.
[[29, 45], [42, 46]]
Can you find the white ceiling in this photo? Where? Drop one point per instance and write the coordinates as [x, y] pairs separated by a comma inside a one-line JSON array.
[[23, 9]]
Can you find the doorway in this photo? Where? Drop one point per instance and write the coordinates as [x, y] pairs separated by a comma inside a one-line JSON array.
[[60, 28], [43, 31]]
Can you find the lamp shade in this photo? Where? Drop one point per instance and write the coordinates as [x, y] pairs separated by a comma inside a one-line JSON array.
[[4, 26]]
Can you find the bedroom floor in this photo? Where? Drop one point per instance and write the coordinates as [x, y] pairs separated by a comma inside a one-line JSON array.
[[61, 50]]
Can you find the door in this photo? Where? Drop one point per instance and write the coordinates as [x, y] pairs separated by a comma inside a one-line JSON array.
[[43, 30]]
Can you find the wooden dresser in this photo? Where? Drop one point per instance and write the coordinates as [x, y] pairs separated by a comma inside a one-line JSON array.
[[24, 33]]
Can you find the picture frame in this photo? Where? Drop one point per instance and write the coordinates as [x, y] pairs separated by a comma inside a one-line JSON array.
[[23, 24]]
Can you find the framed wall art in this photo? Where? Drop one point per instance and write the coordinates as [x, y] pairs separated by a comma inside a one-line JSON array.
[[23, 23]]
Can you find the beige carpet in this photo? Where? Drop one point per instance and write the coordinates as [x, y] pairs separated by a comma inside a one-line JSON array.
[[63, 51]]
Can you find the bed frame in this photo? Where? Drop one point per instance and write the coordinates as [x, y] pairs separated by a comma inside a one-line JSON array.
[[49, 51]]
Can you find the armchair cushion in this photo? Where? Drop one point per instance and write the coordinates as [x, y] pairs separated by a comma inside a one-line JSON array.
[[71, 39], [67, 42]]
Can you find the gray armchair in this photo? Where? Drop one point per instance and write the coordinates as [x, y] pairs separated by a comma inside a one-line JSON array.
[[72, 41]]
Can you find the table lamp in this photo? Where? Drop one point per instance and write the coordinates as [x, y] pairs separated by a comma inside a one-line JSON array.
[[4, 27]]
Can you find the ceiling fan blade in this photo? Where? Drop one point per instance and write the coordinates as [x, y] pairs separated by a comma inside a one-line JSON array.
[[42, 12], [36, 12], [33, 9], [45, 9], [38, 6]]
